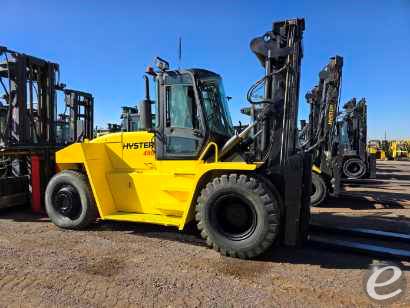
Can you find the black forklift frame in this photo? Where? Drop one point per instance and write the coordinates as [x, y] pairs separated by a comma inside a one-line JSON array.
[[81, 112], [320, 133], [31, 81], [129, 118], [354, 117], [274, 122], [29, 122]]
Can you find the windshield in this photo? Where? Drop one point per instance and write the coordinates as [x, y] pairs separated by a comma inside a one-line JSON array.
[[216, 108]]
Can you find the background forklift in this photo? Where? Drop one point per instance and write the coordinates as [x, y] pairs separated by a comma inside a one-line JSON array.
[[244, 190], [352, 131], [376, 149], [30, 131], [319, 137], [398, 150]]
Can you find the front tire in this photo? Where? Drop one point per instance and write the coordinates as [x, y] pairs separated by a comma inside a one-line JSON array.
[[238, 216], [354, 168], [319, 190], [69, 200]]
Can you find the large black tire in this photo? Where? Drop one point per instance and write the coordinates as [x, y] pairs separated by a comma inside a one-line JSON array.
[[69, 200], [354, 168], [238, 216], [319, 190]]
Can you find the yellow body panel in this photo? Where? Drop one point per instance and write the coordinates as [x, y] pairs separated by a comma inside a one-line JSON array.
[[372, 150], [376, 152], [129, 184]]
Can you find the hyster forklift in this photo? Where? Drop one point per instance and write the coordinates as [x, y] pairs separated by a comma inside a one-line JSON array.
[[245, 191], [319, 137], [352, 132]]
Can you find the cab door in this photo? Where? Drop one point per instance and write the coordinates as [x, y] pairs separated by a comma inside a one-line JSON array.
[[180, 125], [179, 140]]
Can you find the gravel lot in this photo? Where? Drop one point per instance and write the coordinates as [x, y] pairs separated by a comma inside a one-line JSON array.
[[121, 264]]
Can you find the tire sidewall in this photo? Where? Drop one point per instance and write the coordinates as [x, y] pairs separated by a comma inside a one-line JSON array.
[[357, 175], [55, 183], [262, 220], [320, 190]]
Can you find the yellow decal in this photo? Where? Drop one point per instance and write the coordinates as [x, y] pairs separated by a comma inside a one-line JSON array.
[[331, 114]]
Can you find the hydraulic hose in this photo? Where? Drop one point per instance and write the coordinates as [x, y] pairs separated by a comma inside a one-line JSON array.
[[258, 83]]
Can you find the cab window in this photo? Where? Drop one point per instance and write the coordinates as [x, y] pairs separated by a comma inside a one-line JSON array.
[[181, 107], [182, 120]]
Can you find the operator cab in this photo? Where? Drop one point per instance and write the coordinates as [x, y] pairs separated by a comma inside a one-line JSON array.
[[191, 110]]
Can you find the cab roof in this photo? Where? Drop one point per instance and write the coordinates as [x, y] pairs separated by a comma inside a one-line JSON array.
[[203, 72]]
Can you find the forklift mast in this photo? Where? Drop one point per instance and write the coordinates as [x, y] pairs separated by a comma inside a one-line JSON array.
[[274, 117], [353, 129], [324, 103], [29, 112], [30, 130], [274, 123], [29, 86], [352, 134], [80, 107]]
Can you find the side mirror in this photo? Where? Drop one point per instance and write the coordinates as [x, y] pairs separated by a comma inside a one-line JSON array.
[[161, 64]]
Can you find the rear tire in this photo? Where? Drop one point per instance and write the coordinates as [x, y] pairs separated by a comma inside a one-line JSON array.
[[69, 200], [354, 168], [319, 190], [238, 216]]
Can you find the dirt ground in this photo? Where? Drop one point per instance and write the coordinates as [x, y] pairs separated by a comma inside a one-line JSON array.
[[382, 203], [121, 264]]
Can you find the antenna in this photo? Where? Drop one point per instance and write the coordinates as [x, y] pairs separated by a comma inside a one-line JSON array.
[[179, 52]]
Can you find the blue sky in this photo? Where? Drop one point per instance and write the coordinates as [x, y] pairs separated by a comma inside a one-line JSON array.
[[104, 46]]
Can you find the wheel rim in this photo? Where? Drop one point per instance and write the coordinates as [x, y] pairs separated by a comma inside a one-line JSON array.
[[67, 202], [233, 216], [353, 169]]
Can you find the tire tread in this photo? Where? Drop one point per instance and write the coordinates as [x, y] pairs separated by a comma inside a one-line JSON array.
[[257, 187]]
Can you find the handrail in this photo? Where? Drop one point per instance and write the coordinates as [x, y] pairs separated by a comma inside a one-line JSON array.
[[207, 149]]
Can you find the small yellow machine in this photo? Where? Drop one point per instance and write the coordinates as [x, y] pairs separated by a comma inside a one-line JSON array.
[[245, 190], [398, 150], [375, 149]]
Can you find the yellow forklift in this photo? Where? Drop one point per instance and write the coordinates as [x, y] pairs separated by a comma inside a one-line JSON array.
[[398, 150], [245, 190], [375, 149]]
